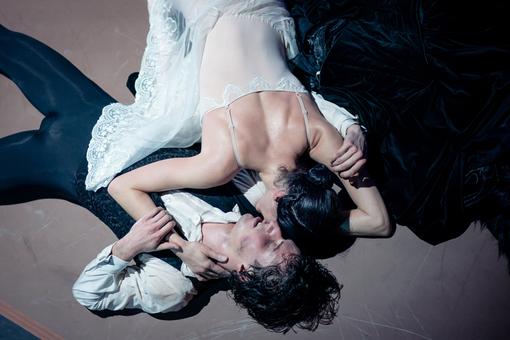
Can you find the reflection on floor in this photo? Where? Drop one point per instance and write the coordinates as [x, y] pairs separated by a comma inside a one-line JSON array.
[[399, 288]]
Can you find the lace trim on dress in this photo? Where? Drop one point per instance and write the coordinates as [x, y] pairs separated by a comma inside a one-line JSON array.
[[115, 116], [117, 138], [232, 92], [287, 83]]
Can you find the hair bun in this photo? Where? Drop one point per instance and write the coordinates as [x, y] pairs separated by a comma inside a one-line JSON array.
[[321, 176]]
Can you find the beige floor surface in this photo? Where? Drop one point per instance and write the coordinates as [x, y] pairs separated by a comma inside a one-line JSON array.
[[399, 288]]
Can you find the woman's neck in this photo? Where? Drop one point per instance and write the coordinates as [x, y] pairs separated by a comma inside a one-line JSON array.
[[269, 177], [271, 172]]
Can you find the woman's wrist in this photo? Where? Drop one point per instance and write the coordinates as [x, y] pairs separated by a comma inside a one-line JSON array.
[[179, 242]]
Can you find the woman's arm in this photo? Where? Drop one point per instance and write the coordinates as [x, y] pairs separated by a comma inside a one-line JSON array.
[[215, 165], [370, 218], [201, 171]]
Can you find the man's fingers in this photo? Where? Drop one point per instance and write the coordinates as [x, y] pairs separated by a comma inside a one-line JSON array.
[[345, 156], [151, 214], [161, 213], [343, 149], [215, 256], [224, 270], [212, 254], [164, 219], [215, 272], [353, 170], [167, 245], [206, 275], [220, 271], [356, 167], [349, 163], [166, 229]]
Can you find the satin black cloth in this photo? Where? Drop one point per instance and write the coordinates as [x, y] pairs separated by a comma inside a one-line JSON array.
[[431, 82]]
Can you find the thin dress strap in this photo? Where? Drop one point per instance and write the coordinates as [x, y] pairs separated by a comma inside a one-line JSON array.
[[305, 116], [233, 136]]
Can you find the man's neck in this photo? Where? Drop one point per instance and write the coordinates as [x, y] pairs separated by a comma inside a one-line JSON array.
[[216, 235]]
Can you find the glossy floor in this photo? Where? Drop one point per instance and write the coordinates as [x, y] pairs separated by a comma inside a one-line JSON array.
[[396, 289]]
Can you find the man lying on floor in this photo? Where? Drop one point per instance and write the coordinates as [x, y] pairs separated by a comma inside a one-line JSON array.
[[279, 287]]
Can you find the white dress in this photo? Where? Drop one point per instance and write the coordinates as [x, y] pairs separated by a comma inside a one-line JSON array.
[[200, 55]]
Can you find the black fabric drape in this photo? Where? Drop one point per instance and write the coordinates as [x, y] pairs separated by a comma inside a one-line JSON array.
[[431, 82]]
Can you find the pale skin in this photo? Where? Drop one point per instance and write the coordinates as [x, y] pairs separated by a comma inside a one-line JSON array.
[[248, 242], [270, 134]]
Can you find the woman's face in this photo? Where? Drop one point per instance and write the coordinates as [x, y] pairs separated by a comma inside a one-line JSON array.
[[267, 204], [254, 242]]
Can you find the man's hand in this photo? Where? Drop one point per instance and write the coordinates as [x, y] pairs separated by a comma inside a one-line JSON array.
[[351, 157], [147, 234], [201, 260]]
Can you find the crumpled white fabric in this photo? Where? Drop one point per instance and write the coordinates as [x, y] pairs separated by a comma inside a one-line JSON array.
[[191, 212], [165, 113]]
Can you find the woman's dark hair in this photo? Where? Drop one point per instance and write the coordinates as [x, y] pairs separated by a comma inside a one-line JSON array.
[[299, 292], [310, 212]]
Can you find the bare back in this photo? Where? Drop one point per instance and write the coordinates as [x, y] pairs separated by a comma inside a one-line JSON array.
[[248, 93], [267, 130]]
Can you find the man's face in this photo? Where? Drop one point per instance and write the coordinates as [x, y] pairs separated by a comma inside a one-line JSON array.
[[254, 242]]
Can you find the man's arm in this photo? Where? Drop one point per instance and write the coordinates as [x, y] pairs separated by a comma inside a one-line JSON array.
[[109, 282], [337, 116]]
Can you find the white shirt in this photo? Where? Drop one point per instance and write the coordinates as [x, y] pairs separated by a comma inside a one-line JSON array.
[[154, 286]]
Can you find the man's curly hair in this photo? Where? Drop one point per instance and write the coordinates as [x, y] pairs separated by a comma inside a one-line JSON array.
[[299, 292]]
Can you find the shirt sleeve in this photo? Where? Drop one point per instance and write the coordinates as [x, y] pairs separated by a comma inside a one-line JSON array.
[[250, 185], [108, 282], [337, 116]]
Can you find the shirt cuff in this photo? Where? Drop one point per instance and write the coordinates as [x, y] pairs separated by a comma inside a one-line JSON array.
[[345, 125], [337, 116], [110, 263]]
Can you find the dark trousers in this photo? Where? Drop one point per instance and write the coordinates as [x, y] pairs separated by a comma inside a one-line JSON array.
[[42, 163]]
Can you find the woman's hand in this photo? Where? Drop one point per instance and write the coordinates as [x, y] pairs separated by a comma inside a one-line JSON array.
[[351, 157], [201, 260], [147, 234]]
